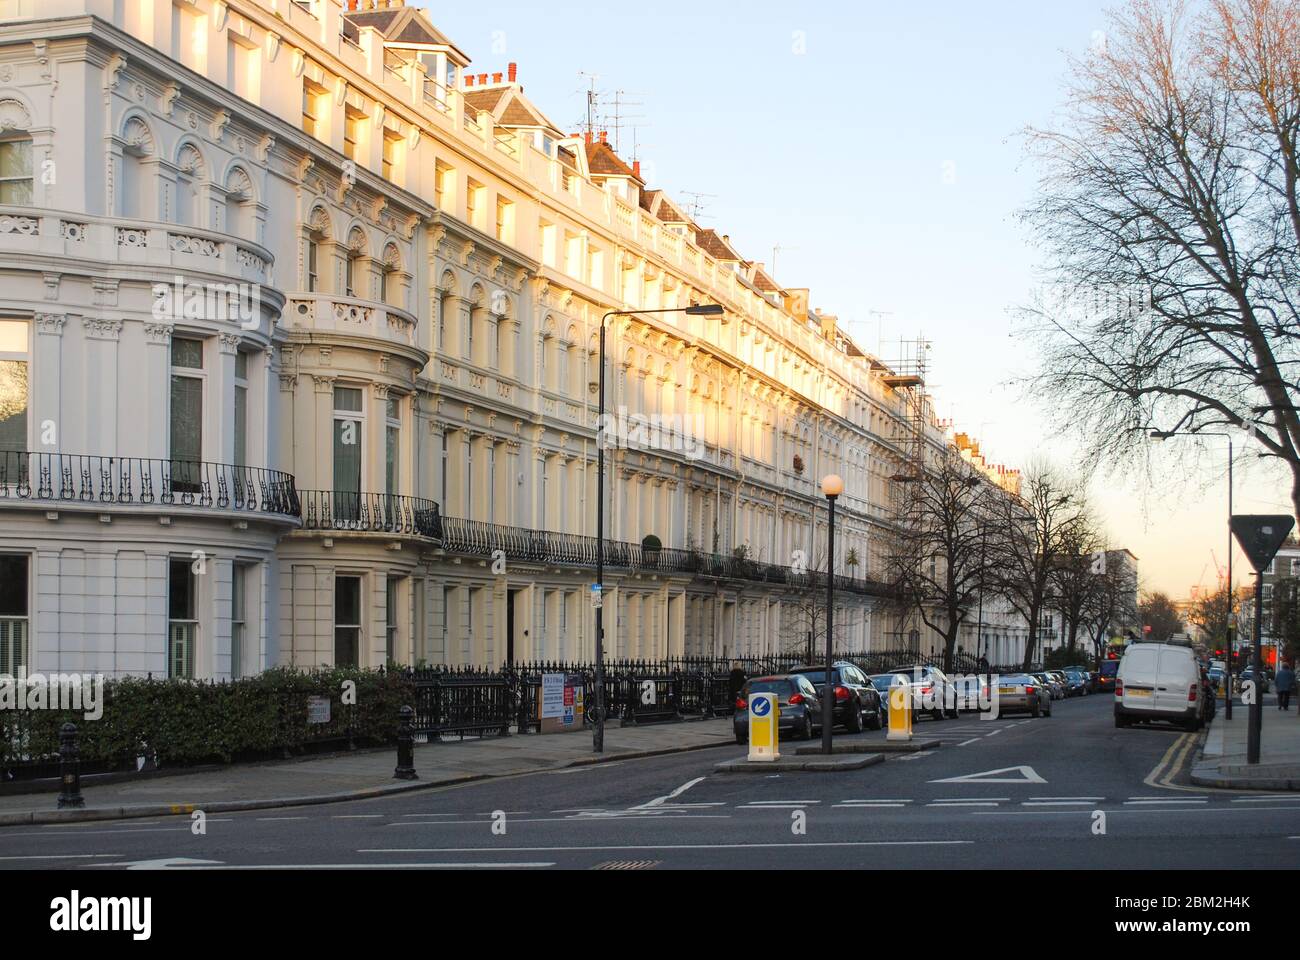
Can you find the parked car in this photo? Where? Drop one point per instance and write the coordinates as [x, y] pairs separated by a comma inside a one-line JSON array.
[[1021, 693], [1060, 686], [1217, 677], [932, 691], [857, 701], [1159, 681], [1046, 679], [1076, 685], [799, 707]]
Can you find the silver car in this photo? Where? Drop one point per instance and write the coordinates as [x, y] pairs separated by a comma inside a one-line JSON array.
[[1021, 693]]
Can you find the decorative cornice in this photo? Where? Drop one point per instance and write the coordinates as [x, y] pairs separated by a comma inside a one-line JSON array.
[[98, 329], [229, 343], [323, 384]]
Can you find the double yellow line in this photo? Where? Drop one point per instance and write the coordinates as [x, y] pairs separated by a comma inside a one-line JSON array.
[[1171, 764]]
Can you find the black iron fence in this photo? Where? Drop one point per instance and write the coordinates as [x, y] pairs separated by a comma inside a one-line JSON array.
[[370, 512], [77, 478]]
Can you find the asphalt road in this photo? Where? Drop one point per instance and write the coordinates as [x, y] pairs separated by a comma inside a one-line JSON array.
[[1072, 792]]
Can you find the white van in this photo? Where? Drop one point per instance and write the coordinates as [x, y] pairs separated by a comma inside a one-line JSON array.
[[1158, 681]]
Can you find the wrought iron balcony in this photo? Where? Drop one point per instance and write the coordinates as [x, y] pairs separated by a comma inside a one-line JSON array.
[[478, 539], [385, 513], [76, 478]]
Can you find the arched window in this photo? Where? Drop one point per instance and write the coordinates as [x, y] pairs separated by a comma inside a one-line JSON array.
[[189, 173], [134, 196], [317, 232], [16, 177], [239, 204], [354, 280], [388, 270]]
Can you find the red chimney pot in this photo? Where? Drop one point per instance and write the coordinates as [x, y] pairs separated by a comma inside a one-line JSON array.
[[636, 168], [496, 78], [469, 79], [482, 79], [512, 72], [604, 136]]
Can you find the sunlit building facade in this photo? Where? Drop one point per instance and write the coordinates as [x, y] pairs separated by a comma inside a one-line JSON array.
[[298, 365]]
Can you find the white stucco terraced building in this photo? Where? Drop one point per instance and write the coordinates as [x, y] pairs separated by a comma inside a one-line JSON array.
[[299, 330]]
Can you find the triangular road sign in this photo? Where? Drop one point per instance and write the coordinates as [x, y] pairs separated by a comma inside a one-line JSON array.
[[1024, 775], [1261, 536]]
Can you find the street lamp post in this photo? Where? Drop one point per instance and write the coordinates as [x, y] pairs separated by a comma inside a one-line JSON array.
[[696, 310], [1227, 666], [832, 487]]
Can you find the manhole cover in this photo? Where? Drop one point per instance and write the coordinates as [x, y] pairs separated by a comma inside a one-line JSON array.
[[627, 865]]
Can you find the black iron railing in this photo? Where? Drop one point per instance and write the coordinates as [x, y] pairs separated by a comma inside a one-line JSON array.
[[370, 512], [77, 478], [479, 539]]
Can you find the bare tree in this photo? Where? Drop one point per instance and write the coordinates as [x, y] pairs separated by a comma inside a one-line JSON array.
[[1157, 611], [939, 566], [1076, 575], [1113, 605], [1024, 541], [1169, 210]]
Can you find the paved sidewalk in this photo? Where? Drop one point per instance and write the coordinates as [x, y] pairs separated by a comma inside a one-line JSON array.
[[354, 776], [1223, 758]]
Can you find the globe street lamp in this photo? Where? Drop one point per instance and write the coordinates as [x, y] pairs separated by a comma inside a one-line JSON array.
[[1161, 435], [695, 310], [832, 487]]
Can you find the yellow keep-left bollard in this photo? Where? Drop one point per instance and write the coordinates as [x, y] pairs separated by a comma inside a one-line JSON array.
[[764, 727], [900, 709]]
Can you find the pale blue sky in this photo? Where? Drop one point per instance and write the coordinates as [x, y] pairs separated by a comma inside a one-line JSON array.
[[877, 144]]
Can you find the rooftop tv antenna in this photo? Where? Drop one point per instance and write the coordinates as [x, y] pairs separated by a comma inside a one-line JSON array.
[[775, 250], [697, 202], [593, 102], [621, 117]]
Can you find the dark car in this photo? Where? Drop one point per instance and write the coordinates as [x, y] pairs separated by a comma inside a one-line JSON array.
[[1106, 676], [1077, 683], [799, 708], [932, 691], [857, 701]]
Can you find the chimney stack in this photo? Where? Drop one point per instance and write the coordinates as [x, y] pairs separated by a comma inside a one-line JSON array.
[[482, 79], [588, 135], [469, 79], [496, 78], [636, 169], [512, 72]]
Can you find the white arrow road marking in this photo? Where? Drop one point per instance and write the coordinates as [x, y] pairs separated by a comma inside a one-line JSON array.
[[163, 864], [660, 801], [1027, 775]]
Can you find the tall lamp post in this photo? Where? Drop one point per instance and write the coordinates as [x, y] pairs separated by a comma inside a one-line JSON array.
[[832, 487], [696, 310], [1227, 684]]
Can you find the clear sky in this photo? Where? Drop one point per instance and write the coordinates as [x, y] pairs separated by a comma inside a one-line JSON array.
[[876, 144]]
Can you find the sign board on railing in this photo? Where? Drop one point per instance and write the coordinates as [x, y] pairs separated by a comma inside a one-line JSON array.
[[318, 709], [561, 708]]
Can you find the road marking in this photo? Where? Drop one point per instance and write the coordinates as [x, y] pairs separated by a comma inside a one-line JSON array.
[[1153, 779], [994, 733], [964, 803], [280, 818], [798, 844], [864, 806], [578, 810], [1151, 803], [1027, 775], [1265, 799], [431, 814], [357, 816], [659, 801], [878, 800], [1057, 803], [64, 856], [1067, 798], [964, 799], [365, 866], [966, 742], [775, 802]]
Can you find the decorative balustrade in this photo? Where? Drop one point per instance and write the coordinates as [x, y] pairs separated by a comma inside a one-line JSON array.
[[136, 242], [369, 318], [89, 480]]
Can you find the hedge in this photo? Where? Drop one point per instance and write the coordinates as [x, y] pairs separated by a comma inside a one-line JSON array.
[[186, 722]]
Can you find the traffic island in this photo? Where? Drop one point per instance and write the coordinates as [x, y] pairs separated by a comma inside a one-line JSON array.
[[820, 763], [884, 746]]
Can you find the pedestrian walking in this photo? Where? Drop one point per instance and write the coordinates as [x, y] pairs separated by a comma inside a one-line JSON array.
[[736, 681], [1285, 686]]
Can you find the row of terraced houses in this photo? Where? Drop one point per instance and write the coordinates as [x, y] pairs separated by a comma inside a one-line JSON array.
[[298, 366]]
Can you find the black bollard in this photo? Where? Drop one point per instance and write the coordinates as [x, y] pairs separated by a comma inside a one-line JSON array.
[[69, 768], [405, 746]]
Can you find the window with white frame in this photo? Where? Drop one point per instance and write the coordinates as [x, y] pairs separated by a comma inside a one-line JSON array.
[[186, 414], [16, 178], [14, 392], [348, 413], [392, 444], [391, 620], [241, 409], [239, 654], [347, 621], [182, 620], [14, 614]]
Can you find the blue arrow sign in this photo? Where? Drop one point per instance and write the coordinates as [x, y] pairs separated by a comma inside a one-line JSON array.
[[762, 706]]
